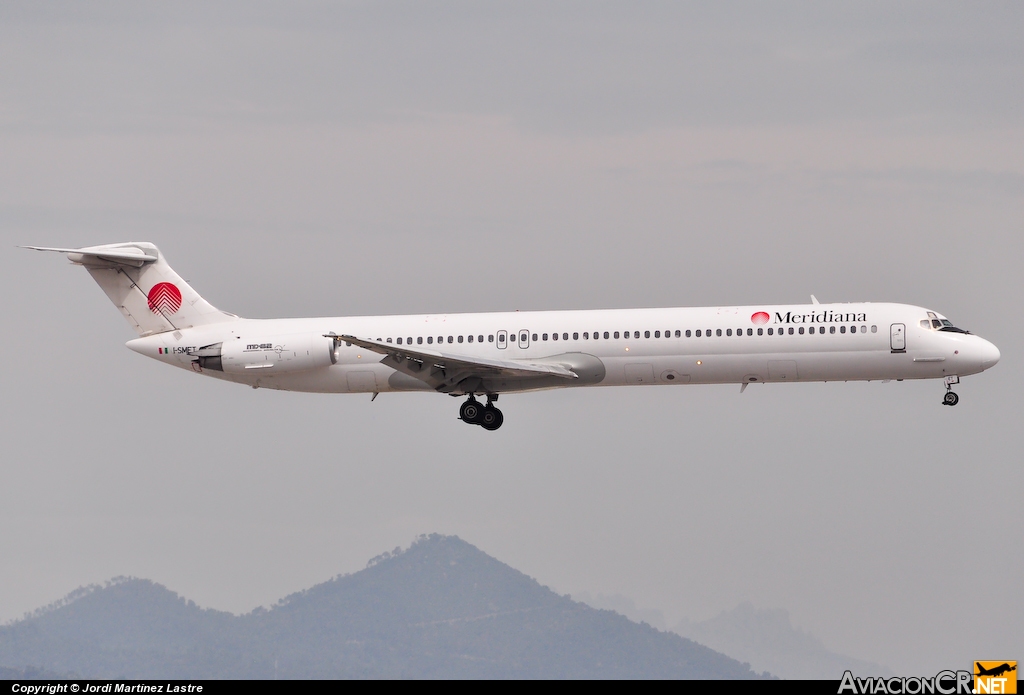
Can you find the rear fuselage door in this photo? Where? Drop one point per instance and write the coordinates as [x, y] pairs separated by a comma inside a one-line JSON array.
[[898, 337], [524, 339]]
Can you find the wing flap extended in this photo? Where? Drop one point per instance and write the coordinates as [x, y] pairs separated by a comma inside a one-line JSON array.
[[444, 372]]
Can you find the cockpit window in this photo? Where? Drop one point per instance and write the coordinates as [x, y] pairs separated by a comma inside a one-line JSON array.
[[936, 324]]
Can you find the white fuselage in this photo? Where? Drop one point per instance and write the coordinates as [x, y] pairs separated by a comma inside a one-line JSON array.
[[714, 345]]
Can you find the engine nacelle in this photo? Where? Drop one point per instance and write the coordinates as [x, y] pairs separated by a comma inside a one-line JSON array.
[[275, 355]]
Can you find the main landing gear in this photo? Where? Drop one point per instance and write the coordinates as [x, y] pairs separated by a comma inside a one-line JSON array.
[[951, 398], [487, 416]]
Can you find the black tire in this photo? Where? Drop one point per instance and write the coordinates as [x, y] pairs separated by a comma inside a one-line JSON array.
[[951, 398], [470, 412], [491, 418]]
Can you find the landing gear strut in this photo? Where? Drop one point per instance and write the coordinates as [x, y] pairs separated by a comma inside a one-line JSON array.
[[951, 398], [487, 416]]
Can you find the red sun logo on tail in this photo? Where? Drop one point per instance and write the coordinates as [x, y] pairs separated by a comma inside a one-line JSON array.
[[760, 318], [164, 298]]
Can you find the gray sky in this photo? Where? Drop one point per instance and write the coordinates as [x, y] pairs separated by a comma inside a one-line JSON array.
[[321, 159]]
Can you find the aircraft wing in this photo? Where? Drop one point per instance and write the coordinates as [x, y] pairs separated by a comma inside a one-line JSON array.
[[444, 371]]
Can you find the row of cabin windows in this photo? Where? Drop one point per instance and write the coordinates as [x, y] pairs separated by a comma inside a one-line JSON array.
[[614, 335]]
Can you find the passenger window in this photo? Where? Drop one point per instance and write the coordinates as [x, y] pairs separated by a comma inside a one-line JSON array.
[[791, 330], [718, 332], [451, 339], [565, 336], [874, 329], [636, 334], [616, 334], [687, 334], [697, 333], [535, 337], [801, 330], [490, 338], [419, 340], [430, 340], [842, 329], [554, 336], [728, 332], [479, 339], [657, 334], [543, 336], [389, 340], [760, 331], [606, 335], [470, 339], [770, 331], [647, 334], [586, 336], [863, 329], [575, 336], [707, 333]]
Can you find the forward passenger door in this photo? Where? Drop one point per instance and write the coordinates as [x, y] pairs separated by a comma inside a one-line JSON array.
[[898, 337]]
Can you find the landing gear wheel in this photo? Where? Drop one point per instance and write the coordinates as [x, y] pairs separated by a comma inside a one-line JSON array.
[[471, 411], [491, 418], [950, 398]]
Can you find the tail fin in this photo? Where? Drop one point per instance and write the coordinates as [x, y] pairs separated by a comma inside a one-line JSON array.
[[152, 297]]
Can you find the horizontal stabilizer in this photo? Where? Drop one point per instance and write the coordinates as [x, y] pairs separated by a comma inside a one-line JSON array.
[[129, 255]]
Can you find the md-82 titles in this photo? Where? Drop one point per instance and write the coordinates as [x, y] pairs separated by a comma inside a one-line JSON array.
[[480, 356]]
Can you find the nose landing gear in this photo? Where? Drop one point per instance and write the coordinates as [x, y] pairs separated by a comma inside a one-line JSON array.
[[951, 398], [487, 416]]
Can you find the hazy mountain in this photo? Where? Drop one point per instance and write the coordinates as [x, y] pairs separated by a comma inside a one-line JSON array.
[[624, 605], [768, 641], [440, 609]]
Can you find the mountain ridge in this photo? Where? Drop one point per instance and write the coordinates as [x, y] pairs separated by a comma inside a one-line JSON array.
[[439, 609]]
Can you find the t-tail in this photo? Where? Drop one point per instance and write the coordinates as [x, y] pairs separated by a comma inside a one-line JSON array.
[[151, 296]]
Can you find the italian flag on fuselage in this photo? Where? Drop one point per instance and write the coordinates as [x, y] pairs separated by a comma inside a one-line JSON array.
[[163, 351]]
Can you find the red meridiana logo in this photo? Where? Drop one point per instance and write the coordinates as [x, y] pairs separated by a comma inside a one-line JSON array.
[[164, 298], [760, 318]]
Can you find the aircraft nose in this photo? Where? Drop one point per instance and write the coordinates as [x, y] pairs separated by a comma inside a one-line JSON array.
[[989, 355]]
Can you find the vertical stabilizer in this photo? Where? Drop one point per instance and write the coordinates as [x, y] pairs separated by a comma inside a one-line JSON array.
[[137, 279]]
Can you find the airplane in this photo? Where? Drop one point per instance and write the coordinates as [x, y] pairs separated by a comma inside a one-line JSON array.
[[489, 354], [995, 671]]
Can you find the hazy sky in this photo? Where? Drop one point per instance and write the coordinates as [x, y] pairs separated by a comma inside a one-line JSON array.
[[327, 159]]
